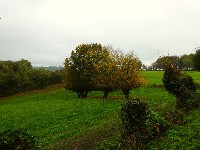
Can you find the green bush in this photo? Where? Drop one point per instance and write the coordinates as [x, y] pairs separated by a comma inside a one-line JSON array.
[[134, 115], [17, 139], [20, 76], [179, 84], [55, 78], [188, 82], [140, 126], [9, 84], [171, 80], [40, 78]]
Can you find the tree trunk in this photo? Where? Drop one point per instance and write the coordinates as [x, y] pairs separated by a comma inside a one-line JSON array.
[[85, 94], [78, 93], [81, 94], [126, 93], [105, 95]]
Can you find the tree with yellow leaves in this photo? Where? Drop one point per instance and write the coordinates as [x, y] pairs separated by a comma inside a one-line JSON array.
[[92, 67], [128, 74], [105, 70], [83, 67]]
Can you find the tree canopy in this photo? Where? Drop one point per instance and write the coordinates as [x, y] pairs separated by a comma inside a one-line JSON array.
[[95, 67], [184, 62], [20, 76]]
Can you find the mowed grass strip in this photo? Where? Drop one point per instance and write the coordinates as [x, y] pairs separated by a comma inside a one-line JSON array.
[[56, 115]]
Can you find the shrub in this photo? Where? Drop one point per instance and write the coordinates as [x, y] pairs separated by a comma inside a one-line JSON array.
[[134, 115], [179, 84], [171, 80], [40, 78], [17, 139], [55, 77], [140, 125], [9, 84], [188, 82]]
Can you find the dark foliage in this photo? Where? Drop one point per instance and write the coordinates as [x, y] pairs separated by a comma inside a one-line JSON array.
[[179, 84], [134, 115], [17, 139], [175, 81], [196, 60], [19, 76], [9, 84], [171, 80], [140, 125]]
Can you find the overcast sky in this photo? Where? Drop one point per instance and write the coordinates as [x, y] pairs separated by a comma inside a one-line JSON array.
[[46, 31]]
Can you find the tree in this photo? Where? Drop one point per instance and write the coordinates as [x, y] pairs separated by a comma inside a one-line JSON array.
[[93, 67], [196, 60], [160, 62], [186, 62], [55, 77], [83, 67], [128, 73], [19, 76], [40, 78], [178, 84], [105, 71], [24, 69], [9, 84]]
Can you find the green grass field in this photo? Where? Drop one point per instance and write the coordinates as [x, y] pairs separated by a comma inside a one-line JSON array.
[[62, 121]]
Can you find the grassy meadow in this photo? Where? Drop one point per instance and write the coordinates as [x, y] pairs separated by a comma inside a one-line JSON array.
[[60, 120]]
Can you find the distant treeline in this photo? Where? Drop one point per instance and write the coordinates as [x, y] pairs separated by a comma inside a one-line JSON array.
[[50, 68], [20, 76], [185, 62]]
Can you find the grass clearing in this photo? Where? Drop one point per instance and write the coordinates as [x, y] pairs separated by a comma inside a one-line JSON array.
[[55, 115], [60, 120]]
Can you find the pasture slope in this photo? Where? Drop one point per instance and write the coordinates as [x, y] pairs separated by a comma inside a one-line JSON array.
[[60, 120]]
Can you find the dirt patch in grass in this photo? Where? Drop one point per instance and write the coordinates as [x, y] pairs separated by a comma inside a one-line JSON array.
[[161, 86], [175, 117], [86, 141]]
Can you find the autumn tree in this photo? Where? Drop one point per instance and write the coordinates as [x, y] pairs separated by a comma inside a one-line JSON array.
[[128, 72], [84, 68], [105, 69], [95, 67]]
